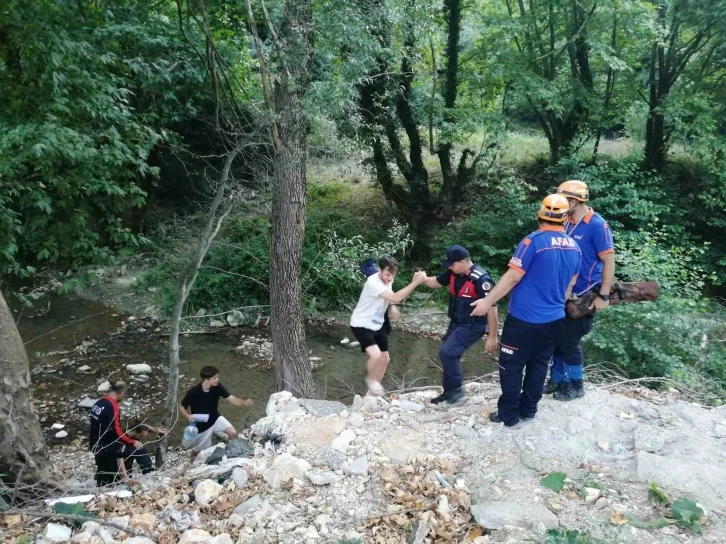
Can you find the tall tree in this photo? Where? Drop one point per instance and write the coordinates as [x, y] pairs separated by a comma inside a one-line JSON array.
[[387, 104], [551, 67], [23, 454], [284, 92], [685, 30]]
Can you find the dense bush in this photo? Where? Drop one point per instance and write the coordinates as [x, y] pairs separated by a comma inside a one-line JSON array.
[[86, 98], [503, 212], [235, 272], [688, 202], [677, 336]]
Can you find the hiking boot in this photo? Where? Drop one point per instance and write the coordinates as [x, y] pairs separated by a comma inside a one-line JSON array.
[[494, 418], [572, 391], [552, 387], [450, 397]]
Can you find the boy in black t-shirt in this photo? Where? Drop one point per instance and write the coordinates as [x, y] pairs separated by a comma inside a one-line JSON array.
[[203, 399]]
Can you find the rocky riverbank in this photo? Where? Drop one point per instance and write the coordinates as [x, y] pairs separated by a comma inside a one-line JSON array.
[[403, 470]]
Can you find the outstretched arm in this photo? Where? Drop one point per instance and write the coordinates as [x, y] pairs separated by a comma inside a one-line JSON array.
[[236, 401], [510, 278], [403, 294], [432, 283]]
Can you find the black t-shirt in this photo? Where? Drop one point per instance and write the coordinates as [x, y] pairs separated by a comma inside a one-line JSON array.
[[202, 402]]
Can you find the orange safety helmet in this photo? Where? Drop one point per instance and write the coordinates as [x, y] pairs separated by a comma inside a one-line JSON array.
[[574, 189], [554, 208]]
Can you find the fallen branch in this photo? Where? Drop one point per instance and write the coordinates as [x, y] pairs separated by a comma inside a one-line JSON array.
[[481, 378], [227, 312], [427, 387], [73, 517], [701, 389]]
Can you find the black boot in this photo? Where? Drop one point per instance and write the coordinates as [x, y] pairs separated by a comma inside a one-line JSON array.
[[450, 397], [494, 418], [572, 391], [551, 387]]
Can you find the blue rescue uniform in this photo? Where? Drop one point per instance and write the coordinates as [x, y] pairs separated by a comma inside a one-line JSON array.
[[464, 329], [549, 259], [595, 239]]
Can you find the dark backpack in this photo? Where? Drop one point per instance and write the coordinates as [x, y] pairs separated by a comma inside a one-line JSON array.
[[369, 267]]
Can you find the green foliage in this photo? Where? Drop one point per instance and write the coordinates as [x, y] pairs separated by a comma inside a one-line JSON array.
[[686, 204], [684, 512], [657, 495], [75, 509], [235, 272], [502, 214], [674, 336], [687, 514], [554, 481], [621, 192], [85, 101]]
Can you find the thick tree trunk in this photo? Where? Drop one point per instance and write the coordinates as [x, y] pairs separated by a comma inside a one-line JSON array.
[[423, 232], [23, 455], [655, 130], [656, 149], [289, 350]]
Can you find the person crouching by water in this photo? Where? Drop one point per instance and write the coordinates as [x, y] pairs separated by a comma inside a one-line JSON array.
[[140, 432], [108, 442], [203, 400]]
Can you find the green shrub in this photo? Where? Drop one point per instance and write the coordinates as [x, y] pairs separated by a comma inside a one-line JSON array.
[[676, 336], [235, 272], [620, 191], [688, 200], [502, 214]]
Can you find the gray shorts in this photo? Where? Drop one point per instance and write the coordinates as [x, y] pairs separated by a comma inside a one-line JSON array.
[[204, 440]]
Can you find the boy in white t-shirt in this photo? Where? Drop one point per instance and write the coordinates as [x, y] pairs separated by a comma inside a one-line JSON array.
[[369, 316]]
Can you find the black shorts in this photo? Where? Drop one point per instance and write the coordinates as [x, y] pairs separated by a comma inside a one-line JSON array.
[[368, 338]]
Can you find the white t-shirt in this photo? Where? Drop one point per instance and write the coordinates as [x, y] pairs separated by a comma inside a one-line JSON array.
[[371, 309]]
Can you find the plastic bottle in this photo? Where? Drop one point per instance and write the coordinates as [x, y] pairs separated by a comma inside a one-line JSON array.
[[190, 435]]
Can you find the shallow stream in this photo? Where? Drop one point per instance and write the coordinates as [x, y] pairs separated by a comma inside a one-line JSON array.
[[65, 333]]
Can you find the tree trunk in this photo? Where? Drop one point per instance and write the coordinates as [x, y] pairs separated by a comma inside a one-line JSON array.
[[655, 131], [289, 349], [423, 233], [656, 150], [23, 455]]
